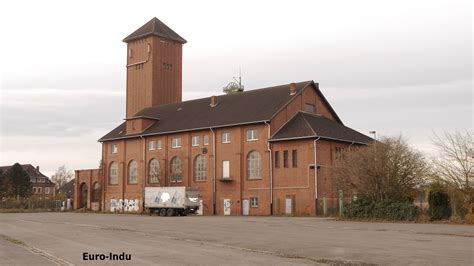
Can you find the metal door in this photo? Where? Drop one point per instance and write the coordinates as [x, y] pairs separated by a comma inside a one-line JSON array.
[[226, 206], [245, 207], [288, 206]]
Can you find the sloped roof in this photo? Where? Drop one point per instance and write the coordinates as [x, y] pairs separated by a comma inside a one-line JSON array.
[[68, 188], [308, 125], [157, 28], [32, 172], [247, 107]]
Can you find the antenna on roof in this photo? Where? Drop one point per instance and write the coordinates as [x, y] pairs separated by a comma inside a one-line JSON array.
[[235, 87]]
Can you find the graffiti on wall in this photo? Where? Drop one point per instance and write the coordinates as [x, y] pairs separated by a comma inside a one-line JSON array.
[[127, 205]]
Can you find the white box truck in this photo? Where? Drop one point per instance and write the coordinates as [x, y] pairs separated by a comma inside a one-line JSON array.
[[172, 201]]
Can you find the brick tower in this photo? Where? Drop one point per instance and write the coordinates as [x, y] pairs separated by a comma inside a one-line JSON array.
[[154, 66]]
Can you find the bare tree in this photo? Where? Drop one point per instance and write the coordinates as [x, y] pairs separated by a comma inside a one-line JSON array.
[[62, 176], [386, 169], [454, 164]]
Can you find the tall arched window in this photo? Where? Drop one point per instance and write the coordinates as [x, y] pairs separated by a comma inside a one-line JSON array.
[[132, 172], [200, 168], [113, 173], [176, 169], [96, 192], [154, 171], [254, 165]]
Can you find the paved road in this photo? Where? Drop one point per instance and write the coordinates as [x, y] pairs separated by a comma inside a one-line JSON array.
[[62, 238]]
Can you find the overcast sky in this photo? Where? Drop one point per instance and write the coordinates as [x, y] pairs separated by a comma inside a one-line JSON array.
[[397, 67]]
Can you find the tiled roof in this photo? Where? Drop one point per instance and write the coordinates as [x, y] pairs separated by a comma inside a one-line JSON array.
[[157, 28], [233, 109], [32, 172], [308, 125]]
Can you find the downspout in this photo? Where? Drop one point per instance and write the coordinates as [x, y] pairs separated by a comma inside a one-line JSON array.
[[214, 171], [144, 173], [315, 177], [269, 149]]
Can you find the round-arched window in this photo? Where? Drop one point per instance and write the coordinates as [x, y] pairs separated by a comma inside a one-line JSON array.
[[254, 165], [113, 173], [133, 172], [176, 169], [154, 171], [200, 169]]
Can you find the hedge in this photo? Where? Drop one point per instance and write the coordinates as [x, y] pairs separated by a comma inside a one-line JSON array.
[[382, 210]]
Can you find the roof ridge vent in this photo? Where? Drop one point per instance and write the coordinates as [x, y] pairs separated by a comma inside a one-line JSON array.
[[292, 88]]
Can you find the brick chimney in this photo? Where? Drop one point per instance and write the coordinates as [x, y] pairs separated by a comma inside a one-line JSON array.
[[213, 101], [292, 88]]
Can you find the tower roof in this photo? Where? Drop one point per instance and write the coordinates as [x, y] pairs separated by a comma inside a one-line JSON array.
[[157, 28]]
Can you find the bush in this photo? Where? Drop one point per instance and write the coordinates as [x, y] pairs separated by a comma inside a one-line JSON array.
[[439, 203], [382, 210]]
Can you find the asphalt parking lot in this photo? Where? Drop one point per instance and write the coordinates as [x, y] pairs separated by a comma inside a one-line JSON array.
[[64, 238]]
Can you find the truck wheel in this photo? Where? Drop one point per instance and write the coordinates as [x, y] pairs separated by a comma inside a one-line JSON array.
[[163, 212], [170, 212]]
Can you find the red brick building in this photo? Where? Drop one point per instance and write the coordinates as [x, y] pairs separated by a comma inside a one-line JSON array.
[[249, 153], [41, 186]]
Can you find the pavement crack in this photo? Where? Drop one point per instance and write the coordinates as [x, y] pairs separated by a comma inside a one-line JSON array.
[[37, 251]]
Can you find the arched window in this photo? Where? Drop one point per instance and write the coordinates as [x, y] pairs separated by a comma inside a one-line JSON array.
[[113, 173], [96, 192], [200, 168], [254, 165], [154, 171], [132, 172], [176, 169]]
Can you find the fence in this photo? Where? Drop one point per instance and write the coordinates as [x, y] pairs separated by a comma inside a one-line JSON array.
[[29, 205]]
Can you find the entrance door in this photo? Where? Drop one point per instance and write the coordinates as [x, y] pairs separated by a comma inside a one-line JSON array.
[[289, 206], [83, 201], [226, 206], [245, 207]]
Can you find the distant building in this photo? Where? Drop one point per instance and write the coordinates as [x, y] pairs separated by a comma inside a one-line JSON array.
[[267, 151], [67, 189], [42, 186]]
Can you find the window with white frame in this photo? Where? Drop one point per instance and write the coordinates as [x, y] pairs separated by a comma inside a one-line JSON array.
[[200, 169], [225, 169], [133, 172], [154, 171], [151, 145], [158, 144], [195, 141], [176, 143], [176, 170], [205, 140], [254, 165], [46, 190], [34, 190], [39, 190], [114, 148], [252, 135], [113, 173], [254, 202], [226, 137]]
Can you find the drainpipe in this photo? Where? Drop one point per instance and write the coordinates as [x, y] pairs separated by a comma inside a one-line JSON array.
[[144, 173], [214, 172], [269, 149], [315, 177]]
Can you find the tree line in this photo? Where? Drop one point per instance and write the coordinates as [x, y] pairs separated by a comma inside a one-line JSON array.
[[388, 173]]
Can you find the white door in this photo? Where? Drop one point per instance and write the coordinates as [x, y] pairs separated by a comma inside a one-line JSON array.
[[288, 206], [245, 206], [226, 206], [200, 211]]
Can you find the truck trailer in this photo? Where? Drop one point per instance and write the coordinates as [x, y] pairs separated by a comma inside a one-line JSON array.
[[172, 201]]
